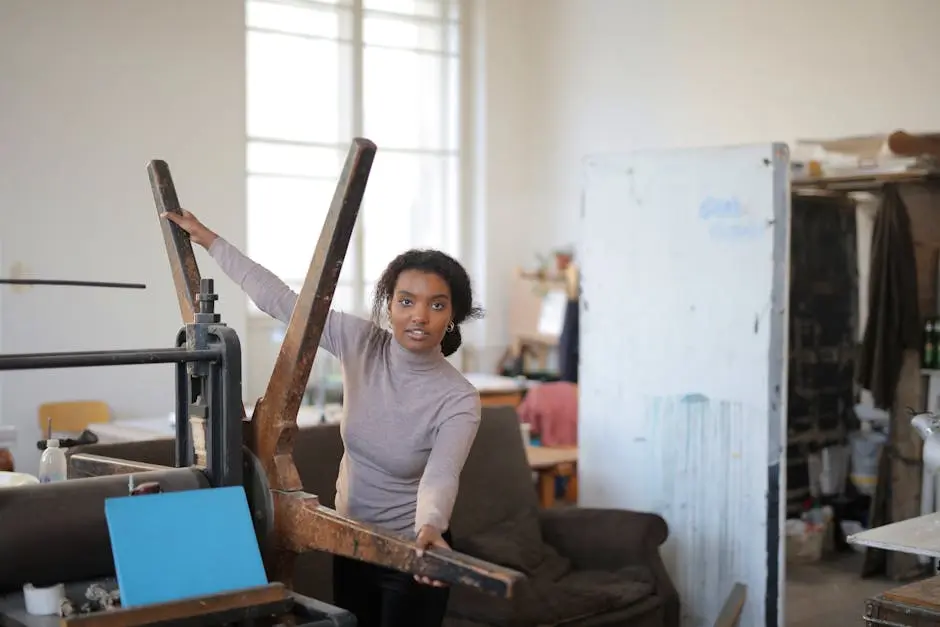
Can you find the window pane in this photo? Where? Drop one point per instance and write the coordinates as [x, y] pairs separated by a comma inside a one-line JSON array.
[[293, 160], [452, 105], [416, 8], [451, 206], [285, 217], [368, 293], [293, 87], [406, 206], [288, 18], [394, 32], [342, 297], [405, 103]]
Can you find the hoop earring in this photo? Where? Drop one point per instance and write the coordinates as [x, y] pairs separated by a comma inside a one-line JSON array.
[[451, 327]]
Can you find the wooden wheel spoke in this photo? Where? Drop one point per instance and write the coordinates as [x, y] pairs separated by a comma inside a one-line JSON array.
[[274, 423], [179, 248]]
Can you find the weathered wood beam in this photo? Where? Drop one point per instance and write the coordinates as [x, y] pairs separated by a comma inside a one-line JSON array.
[[303, 525], [179, 248], [274, 422]]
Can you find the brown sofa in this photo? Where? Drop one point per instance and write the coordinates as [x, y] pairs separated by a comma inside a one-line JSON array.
[[585, 567]]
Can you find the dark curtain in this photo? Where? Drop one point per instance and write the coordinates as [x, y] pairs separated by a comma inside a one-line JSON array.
[[823, 330], [894, 323]]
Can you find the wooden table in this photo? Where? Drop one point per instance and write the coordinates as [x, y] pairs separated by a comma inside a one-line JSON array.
[[916, 604], [913, 605], [549, 463], [920, 536], [496, 390]]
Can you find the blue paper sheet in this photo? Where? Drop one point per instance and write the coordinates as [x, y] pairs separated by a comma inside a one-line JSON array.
[[178, 545]]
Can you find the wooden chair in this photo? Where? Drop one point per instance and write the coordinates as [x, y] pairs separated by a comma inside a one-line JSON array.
[[72, 416]]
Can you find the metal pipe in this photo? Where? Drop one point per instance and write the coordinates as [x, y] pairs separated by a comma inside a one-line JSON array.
[[38, 361], [68, 283], [57, 532]]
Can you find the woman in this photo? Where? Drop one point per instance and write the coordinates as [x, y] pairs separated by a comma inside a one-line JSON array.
[[410, 416]]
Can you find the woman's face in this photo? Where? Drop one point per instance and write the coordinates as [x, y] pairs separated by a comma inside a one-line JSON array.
[[420, 310]]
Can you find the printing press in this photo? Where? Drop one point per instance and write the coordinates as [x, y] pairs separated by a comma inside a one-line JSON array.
[[57, 533]]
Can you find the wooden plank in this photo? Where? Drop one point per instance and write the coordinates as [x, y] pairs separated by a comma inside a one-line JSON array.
[[84, 465], [549, 456], [881, 611], [498, 399], [925, 593], [305, 525], [228, 607], [179, 248], [863, 180], [274, 423], [730, 613]]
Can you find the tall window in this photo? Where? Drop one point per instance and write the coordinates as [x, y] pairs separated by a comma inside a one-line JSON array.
[[320, 72]]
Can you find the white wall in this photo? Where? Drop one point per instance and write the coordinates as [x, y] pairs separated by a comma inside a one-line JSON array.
[[683, 364], [505, 227], [621, 75], [90, 92]]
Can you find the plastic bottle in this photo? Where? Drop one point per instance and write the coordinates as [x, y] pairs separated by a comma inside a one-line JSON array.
[[53, 465]]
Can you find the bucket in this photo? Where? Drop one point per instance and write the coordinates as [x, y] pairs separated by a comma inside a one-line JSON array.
[[866, 447]]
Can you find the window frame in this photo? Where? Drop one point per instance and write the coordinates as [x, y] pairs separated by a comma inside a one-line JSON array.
[[352, 14]]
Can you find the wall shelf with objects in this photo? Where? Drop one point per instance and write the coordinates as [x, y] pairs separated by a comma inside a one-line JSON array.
[[542, 303]]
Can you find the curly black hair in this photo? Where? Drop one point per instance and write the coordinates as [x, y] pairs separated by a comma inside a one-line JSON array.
[[444, 266]]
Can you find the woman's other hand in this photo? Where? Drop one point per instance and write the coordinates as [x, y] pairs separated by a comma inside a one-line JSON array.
[[198, 232], [430, 537]]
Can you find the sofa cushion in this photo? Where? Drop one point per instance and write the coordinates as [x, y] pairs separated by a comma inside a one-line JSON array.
[[517, 543], [538, 601], [553, 591], [496, 482]]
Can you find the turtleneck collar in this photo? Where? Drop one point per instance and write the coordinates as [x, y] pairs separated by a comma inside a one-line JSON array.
[[410, 360]]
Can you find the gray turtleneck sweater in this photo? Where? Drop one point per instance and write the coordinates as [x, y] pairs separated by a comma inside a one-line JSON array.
[[409, 419]]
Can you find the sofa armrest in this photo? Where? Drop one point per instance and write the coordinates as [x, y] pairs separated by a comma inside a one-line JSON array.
[[603, 539], [610, 540]]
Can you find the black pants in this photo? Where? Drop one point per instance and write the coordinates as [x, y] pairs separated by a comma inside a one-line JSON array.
[[381, 597]]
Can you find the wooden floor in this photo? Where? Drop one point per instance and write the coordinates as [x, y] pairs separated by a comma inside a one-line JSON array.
[[830, 593]]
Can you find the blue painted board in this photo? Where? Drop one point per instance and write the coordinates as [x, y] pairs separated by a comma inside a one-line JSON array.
[[178, 545]]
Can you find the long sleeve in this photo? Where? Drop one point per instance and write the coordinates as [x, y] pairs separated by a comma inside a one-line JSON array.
[[275, 298], [437, 490], [267, 291]]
